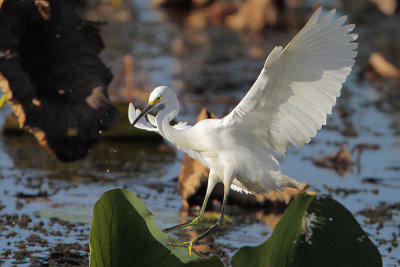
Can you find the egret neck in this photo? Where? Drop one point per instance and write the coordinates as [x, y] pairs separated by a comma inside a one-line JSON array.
[[164, 117]]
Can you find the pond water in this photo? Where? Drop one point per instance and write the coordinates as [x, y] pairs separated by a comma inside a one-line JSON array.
[[204, 65]]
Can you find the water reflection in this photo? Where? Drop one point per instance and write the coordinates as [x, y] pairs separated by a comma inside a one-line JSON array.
[[115, 157]]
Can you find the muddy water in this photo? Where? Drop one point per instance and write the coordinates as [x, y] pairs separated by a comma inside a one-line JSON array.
[[204, 65]]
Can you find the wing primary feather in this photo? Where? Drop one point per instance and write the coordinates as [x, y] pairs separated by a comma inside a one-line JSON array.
[[298, 86]]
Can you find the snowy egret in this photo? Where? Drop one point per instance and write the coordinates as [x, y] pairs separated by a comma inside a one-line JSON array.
[[287, 105]]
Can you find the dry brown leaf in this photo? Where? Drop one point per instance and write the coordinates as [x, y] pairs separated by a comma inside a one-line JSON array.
[[387, 7], [44, 8], [340, 161], [382, 67], [254, 15], [124, 84]]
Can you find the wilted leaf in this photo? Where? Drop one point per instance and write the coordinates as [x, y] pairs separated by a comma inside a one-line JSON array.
[[383, 67], [123, 234], [313, 232]]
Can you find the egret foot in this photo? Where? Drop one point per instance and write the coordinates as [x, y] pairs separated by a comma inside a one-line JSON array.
[[188, 245], [182, 225]]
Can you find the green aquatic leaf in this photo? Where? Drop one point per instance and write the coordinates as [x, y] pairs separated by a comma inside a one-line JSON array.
[[123, 234], [313, 232]]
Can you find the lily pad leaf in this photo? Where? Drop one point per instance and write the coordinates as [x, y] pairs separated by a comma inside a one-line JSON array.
[[313, 232], [123, 234]]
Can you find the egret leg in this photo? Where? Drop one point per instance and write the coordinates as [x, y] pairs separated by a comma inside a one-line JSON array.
[[190, 244], [210, 186]]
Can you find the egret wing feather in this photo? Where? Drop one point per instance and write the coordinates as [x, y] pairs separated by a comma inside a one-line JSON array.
[[298, 85], [194, 154], [239, 187], [152, 120]]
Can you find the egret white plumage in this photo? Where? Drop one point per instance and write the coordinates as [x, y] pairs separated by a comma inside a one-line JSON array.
[[287, 105]]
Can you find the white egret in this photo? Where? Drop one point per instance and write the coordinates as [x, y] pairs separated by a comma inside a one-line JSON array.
[[287, 105]]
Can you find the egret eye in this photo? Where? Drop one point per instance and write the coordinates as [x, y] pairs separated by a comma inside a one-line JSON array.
[[155, 101]]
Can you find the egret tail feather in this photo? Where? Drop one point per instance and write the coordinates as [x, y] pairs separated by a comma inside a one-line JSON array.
[[286, 181]]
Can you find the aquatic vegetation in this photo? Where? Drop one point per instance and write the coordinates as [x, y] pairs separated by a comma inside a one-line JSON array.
[[314, 231]]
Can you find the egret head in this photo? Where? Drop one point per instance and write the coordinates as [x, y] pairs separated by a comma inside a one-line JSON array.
[[159, 98]]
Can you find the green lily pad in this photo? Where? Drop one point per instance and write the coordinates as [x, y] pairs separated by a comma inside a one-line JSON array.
[[313, 232], [123, 234]]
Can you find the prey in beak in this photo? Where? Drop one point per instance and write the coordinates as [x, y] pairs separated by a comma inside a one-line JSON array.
[[150, 106], [147, 109]]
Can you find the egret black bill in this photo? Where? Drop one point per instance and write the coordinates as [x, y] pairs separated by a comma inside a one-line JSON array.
[[148, 108]]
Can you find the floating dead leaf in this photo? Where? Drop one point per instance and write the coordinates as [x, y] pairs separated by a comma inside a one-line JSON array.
[[192, 184], [215, 14], [387, 7], [255, 15], [123, 87], [379, 67], [251, 15], [340, 161], [219, 11], [40, 194], [44, 8]]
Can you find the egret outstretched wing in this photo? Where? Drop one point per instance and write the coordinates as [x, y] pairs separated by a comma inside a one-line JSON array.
[[298, 85]]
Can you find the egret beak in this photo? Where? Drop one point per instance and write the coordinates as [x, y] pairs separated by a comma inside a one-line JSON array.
[[147, 109]]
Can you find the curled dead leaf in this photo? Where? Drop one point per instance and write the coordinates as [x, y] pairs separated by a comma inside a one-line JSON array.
[[387, 7], [380, 67], [340, 161], [255, 15], [44, 8]]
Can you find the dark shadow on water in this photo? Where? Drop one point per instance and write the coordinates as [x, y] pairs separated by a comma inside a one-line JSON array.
[[109, 155]]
